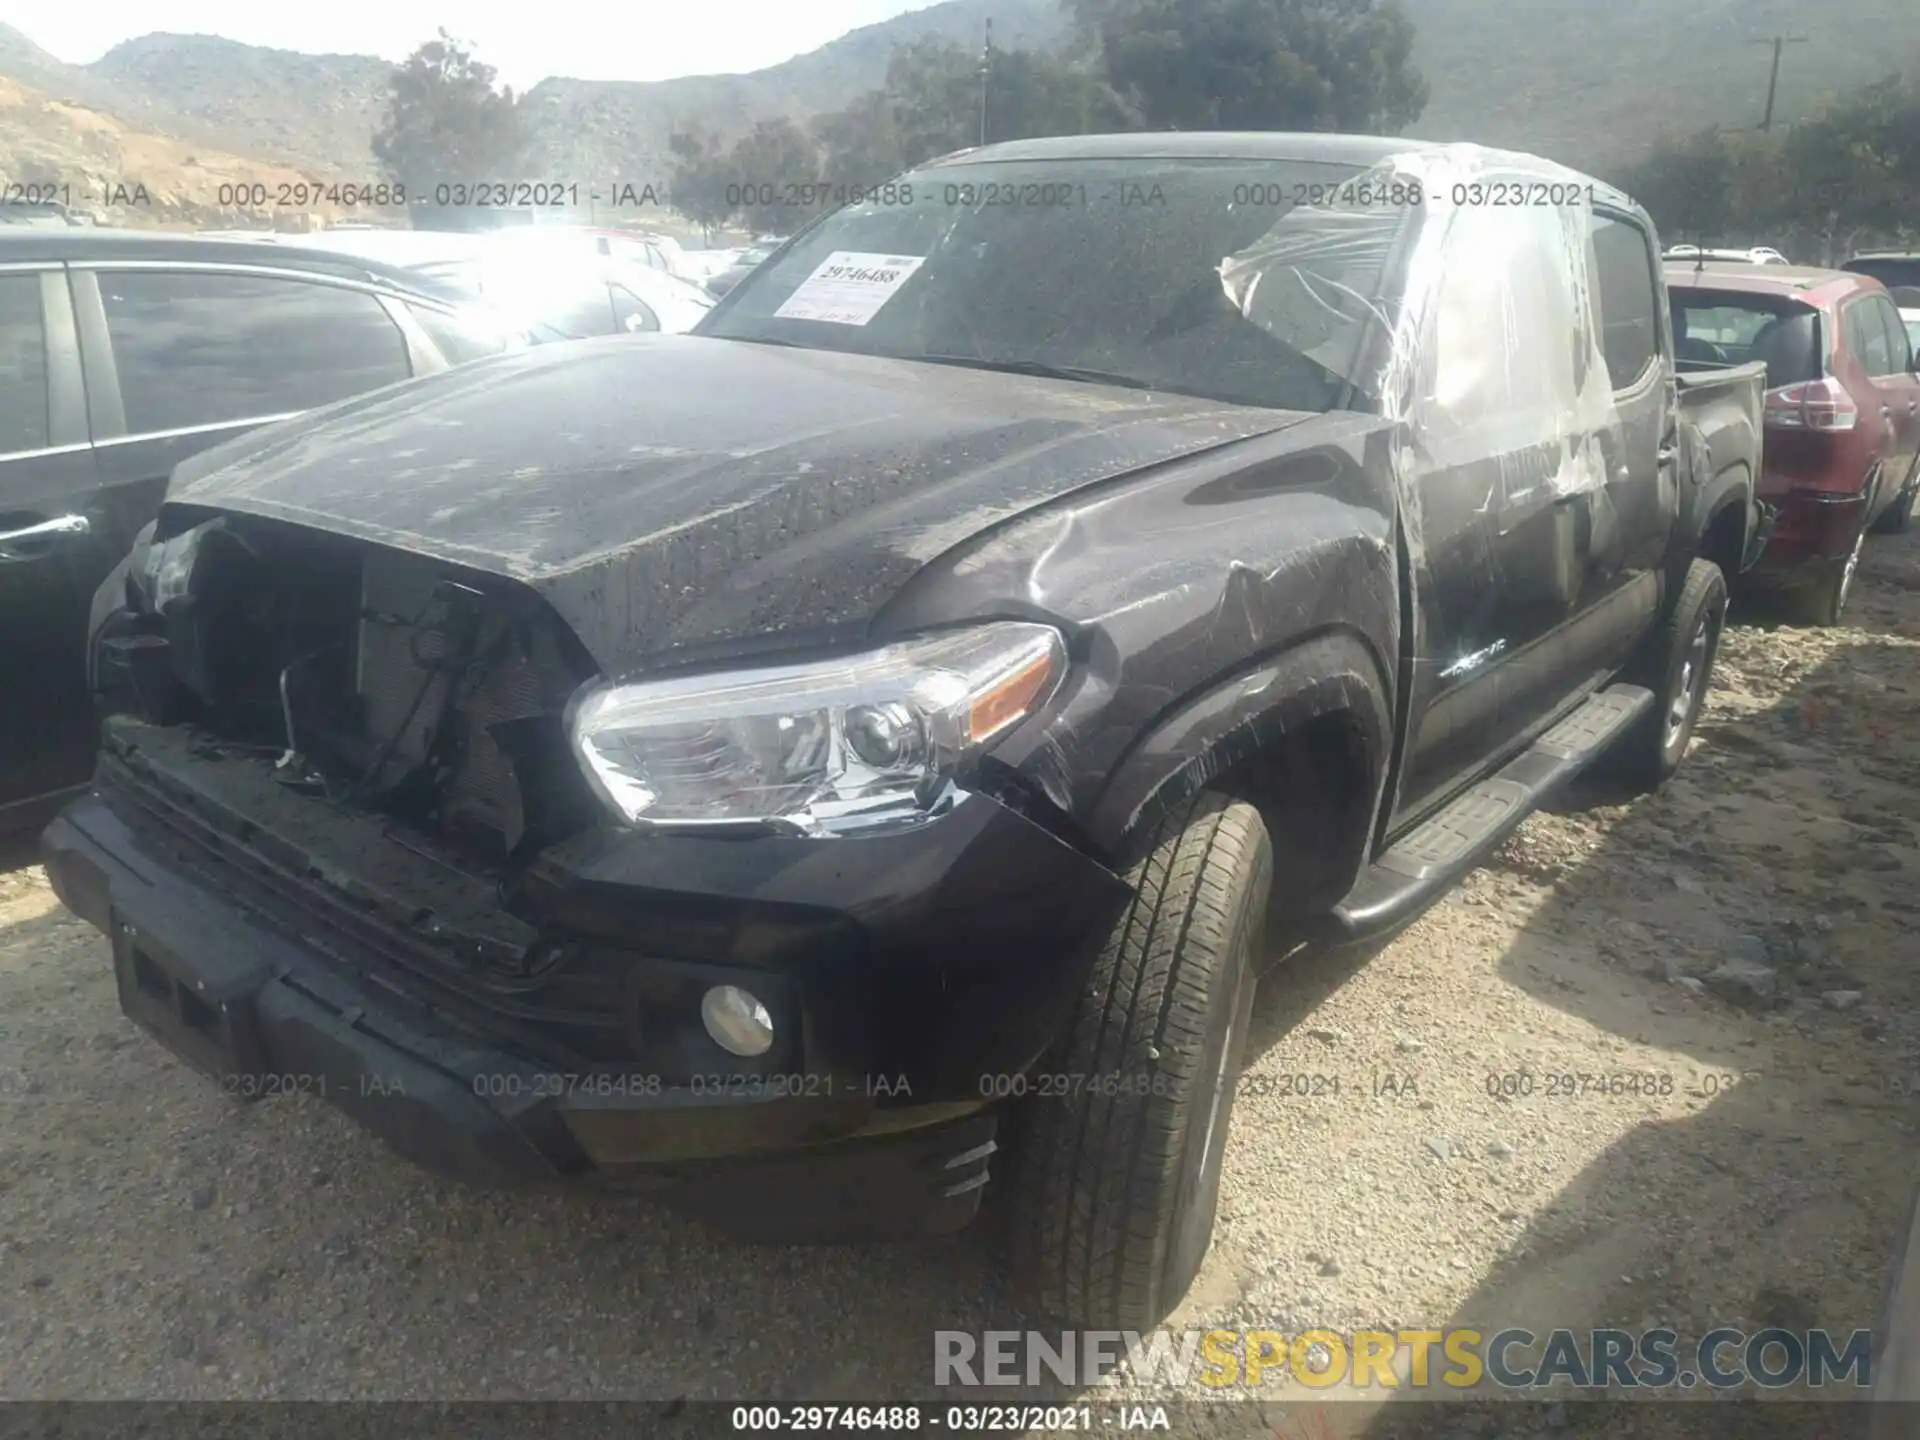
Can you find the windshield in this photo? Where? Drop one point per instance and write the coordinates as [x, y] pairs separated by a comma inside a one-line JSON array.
[[1200, 277]]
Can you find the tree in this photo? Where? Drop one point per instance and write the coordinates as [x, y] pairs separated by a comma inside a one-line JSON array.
[[862, 144], [778, 170], [1032, 93], [930, 106], [702, 185], [1841, 170], [1816, 190], [446, 123], [1686, 184], [1259, 64]]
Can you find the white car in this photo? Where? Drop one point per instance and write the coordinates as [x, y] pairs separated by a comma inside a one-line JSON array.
[[700, 266], [553, 282], [1757, 255]]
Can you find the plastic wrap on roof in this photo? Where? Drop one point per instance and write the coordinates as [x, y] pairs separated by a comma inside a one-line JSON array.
[[1489, 339]]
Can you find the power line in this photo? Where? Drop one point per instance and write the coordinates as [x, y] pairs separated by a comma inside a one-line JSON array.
[[986, 69], [1773, 80]]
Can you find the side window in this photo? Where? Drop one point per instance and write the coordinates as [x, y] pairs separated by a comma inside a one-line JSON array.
[[1503, 348], [630, 312], [1628, 299], [1867, 337], [23, 366], [201, 348], [1899, 351], [458, 342], [581, 313]]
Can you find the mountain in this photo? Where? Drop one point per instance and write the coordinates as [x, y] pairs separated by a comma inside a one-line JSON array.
[[608, 129], [26, 62], [96, 162], [318, 110], [1590, 82]]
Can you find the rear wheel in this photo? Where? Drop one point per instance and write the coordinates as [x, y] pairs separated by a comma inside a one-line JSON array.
[[1899, 515], [1116, 1174], [1822, 602], [1677, 667]]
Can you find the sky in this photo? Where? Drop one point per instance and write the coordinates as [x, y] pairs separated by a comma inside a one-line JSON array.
[[579, 39]]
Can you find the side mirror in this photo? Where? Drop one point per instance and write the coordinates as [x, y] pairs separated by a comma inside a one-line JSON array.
[[634, 323]]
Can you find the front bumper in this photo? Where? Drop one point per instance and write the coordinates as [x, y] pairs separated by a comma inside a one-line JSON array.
[[1812, 530], [261, 953]]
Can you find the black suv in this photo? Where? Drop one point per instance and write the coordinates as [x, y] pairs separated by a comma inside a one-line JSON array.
[[122, 353], [1898, 270]]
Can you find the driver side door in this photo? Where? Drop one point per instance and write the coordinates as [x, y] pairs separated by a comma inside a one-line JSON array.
[[56, 546]]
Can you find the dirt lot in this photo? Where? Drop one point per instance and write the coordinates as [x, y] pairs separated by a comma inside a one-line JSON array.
[[156, 1240]]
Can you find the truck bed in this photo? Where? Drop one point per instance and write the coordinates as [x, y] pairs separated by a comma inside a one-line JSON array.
[[1722, 418]]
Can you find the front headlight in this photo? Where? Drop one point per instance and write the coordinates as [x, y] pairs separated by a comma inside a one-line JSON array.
[[819, 748]]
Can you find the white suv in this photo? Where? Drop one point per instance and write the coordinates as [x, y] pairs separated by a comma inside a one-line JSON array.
[[1758, 255]]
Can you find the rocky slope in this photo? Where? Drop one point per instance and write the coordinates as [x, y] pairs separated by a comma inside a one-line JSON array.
[[302, 110], [94, 162]]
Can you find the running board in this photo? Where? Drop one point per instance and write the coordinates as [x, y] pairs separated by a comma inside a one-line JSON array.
[[1437, 854]]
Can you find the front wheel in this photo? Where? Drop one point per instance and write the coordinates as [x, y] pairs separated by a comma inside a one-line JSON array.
[[1116, 1176]]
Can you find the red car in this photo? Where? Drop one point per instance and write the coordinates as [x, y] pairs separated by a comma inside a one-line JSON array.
[[1842, 451]]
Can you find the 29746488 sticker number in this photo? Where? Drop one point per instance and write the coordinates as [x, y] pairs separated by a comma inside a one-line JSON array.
[[955, 1419], [832, 1419]]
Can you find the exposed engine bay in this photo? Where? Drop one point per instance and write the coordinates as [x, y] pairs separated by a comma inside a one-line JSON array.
[[369, 678]]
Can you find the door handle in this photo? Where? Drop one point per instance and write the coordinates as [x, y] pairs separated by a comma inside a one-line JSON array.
[[46, 530]]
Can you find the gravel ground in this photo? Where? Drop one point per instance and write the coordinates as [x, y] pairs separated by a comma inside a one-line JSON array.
[[158, 1240]]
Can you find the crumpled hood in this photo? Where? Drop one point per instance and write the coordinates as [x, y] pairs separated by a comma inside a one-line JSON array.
[[673, 491]]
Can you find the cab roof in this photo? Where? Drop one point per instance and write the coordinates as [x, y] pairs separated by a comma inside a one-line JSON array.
[[1790, 282], [1359, 151], [94, 245]]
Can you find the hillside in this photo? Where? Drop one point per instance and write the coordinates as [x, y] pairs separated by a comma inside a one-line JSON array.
[[1587, 81], [316, 110], [97, 163], [1591, 82], [613, 128]]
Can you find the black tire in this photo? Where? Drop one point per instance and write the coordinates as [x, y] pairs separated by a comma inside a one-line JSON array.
[[1822, 601], [1114, 1183], [1898, 516], [1678, 668]]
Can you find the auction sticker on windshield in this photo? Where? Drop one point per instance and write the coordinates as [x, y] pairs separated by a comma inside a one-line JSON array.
[[849, 287]]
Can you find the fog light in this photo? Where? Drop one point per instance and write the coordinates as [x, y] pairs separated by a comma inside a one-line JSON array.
[[737, 1021]]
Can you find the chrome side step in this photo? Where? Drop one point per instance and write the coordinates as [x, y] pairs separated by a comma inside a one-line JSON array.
[[1436, 854]]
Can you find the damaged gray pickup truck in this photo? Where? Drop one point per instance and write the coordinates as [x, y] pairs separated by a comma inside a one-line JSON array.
[[860, 752]]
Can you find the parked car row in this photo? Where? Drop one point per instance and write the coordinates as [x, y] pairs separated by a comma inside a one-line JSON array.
[[123, 352], [1842, 451], [550, 282], [867, 738], [745, 262]]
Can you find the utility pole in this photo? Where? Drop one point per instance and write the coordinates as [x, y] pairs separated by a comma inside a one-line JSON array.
[[1773, 81], [986, 69]]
